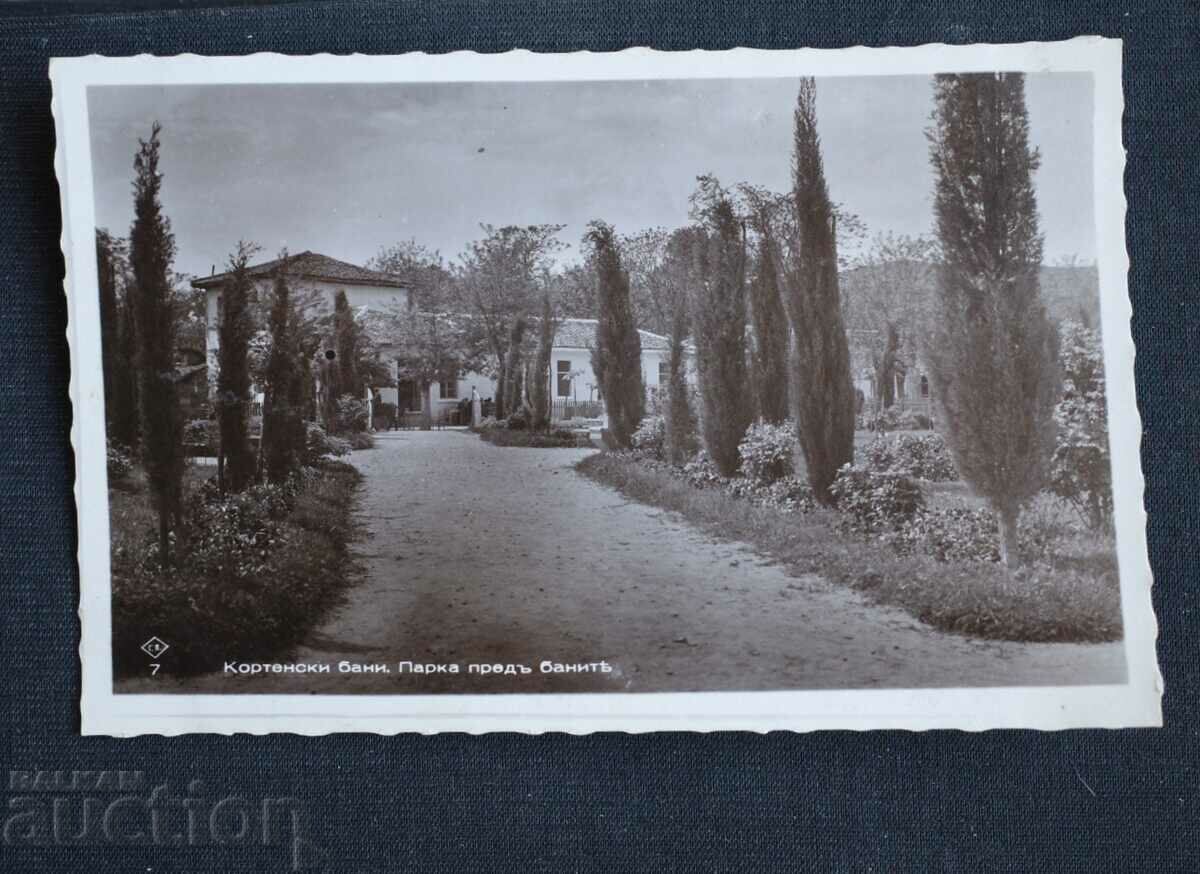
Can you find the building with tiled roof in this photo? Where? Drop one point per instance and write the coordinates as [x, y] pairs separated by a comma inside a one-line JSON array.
[[312, 267]]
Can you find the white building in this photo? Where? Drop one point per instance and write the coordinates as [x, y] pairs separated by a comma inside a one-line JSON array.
[[574, 388]]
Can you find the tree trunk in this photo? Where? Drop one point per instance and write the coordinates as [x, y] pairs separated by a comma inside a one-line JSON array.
[[1007, 517], [164, 538], [427, 406], [499, 411], [885, 371]]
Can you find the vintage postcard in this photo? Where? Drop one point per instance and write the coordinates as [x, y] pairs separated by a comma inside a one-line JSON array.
[[638, 391]]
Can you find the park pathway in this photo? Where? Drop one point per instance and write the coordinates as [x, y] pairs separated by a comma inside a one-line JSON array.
[[475, 553]]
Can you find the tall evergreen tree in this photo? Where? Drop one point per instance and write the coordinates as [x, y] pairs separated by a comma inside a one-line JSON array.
[[126, 420], [235, 331], [771, 340], [617, 356], [719, 321], [680, 417], [283, 419], [120, 394], [822, 386], [993, 353], [151, 251], [346, 341]]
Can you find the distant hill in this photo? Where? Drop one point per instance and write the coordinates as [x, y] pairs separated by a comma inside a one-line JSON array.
[[1070, 292]]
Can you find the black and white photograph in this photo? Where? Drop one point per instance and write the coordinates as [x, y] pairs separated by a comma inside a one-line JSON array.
[[571, 392]]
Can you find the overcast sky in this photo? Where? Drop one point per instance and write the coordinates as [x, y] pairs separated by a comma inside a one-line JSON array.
[[347, 169]]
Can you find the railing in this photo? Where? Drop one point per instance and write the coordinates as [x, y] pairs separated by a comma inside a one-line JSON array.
[[564, 408]]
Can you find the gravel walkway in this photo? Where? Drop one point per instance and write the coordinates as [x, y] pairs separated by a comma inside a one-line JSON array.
[[482, 554]]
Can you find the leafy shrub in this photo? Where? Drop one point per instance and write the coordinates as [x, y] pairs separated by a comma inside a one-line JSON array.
[[767, 451], [120, 463], [924, 457], [360, 440], [320, 445], [559, 439], [201, 434], [254, 574], [950, 534], [892, 419], [1080, 469], [651, 437], [870, 502], [351, 415], [518, 422], [702, 473]]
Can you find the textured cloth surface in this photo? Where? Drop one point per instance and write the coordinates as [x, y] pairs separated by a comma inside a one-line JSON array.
[[1019, 801]]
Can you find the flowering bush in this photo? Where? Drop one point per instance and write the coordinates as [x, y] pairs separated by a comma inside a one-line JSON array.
[[1080, 470], [892, 419], [319, 444], [767, 451], [252, 573], [870, 502], [924, 457], [702, 473], [234, 535], [950, 534], [651, 437], [352, 414], [120, 464]]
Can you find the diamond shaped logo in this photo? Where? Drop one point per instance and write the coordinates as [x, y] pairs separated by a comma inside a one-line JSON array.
[[154, 647]]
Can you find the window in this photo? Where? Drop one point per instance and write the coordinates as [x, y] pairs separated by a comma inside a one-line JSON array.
[[664, 373], [924, 386], [563, 372], [449, 383]]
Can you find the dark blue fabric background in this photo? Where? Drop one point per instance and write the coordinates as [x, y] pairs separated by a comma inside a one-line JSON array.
[[1013, 801]]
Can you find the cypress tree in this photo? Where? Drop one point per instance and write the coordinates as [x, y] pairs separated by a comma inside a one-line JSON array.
[[151, 251], [719, 320], [345, 338], [822, 385], [680, 418], [993, 353], [110, 318], [125, 423], [770, 358], [282, 409], [617, 356], [233, 380]]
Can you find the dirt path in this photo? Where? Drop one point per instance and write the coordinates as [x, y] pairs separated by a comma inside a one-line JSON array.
[[481, 554]]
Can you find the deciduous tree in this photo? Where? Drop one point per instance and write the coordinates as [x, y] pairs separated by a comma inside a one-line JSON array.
[[500, 279]]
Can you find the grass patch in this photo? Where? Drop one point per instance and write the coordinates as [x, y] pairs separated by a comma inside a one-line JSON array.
[[1073, 597], [253, 572]]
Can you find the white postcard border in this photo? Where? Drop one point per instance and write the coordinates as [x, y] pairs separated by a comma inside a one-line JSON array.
[[1136, 703]]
